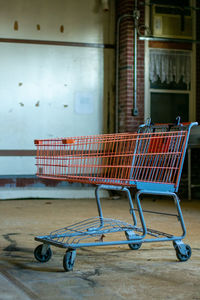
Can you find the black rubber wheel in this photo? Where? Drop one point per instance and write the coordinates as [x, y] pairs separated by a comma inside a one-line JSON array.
[[135, 246], [183, 257], [42, 257], [69, 260]]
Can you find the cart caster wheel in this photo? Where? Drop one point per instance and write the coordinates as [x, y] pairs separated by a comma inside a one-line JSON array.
[[69, 260], [135, 246], [130, 235], [184, 257], [40, 256]]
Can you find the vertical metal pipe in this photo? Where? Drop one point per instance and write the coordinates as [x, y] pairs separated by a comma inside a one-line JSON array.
[[136, 17]]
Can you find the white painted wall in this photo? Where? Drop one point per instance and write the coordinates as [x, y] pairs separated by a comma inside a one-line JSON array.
[[83, 20], [52, 91]]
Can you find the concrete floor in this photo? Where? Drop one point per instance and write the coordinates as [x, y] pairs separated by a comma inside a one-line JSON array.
[[152, 272]]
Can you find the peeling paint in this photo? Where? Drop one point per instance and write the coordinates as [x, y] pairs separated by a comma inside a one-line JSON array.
[[62, 28], [24, 181], [4, 182], [16, 26], [37, 104]]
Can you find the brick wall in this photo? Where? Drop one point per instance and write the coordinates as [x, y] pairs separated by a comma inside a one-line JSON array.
[[128, 122], [198, 64]]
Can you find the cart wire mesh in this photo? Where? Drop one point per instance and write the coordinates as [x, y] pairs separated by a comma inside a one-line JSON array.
[[88, 229], [113, 159]]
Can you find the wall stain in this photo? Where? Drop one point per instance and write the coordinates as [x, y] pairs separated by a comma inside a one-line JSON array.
[[38, 27], [20, 83], [65, 105], [37, 104], [8, 182], [38, 182], [21, 182], [16, 25], [62, 28]]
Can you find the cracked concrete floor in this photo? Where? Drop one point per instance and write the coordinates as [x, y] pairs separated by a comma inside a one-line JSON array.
[[112, 272]]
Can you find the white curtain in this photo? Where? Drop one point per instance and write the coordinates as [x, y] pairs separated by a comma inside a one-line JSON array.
[[170, 65]]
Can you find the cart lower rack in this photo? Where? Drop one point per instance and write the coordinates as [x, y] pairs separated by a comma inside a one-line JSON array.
[[150, 160]]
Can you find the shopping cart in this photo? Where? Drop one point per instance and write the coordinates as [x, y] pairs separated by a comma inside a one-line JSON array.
[[151, 160]]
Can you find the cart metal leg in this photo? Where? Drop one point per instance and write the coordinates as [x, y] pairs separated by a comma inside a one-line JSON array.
[[189, 173], [177, 204], [183, 251], [115, 188]]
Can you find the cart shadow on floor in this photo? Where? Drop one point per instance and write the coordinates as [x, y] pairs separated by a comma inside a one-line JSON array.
[[23, 258]]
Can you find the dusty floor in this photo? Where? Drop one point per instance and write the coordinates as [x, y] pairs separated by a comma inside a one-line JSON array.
[[152, 272]]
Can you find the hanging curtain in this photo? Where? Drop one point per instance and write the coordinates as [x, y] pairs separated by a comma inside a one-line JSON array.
[[170, 66]]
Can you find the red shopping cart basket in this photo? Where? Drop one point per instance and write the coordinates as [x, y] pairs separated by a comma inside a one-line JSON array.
[[115, 159]]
